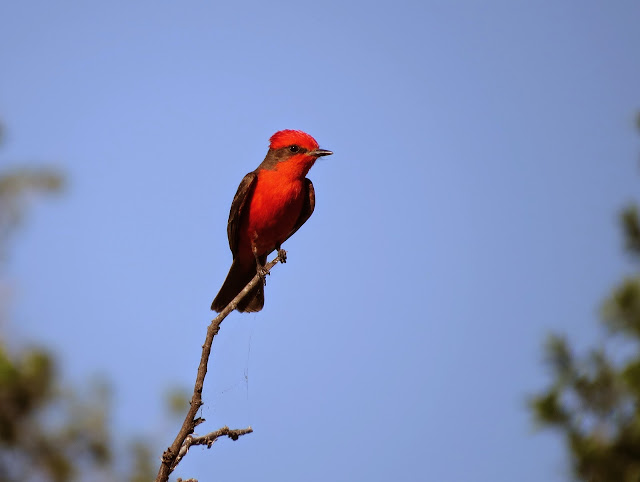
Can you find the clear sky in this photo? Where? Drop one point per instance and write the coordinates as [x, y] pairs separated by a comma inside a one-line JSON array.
[[482, 152]]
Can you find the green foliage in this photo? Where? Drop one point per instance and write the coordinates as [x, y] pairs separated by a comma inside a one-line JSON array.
[[15, 187], [24, 386], [594, 399], [143, 469], [178, 399], [48, 433], [631, 227], [30, 447]]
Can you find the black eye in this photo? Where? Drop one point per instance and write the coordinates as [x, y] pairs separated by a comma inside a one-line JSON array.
[[294, 148]]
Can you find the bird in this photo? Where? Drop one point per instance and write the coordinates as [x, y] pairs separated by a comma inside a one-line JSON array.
[[271, 204]]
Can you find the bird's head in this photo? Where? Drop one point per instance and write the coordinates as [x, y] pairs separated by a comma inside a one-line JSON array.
[[293, 149], [297, 142]]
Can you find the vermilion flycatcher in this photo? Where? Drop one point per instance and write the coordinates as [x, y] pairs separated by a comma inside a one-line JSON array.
[[271, 204]]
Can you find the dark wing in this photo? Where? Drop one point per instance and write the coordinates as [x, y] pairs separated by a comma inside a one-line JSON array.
[[307, 208], [243, 195]]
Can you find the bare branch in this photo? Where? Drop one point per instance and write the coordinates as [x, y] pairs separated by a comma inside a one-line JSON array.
[[172, 456], [209, 439], [224, 431]]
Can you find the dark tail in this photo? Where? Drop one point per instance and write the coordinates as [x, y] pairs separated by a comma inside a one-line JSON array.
[[237, 279]]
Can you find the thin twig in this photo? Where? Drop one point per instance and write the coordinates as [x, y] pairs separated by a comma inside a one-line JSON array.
[[172, 456], [221, 432], [209, 439]]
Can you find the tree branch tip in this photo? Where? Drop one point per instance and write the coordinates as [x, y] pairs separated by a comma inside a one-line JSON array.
[[185, 438]]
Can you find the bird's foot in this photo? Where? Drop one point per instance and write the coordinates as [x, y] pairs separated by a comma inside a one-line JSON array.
[[262, 272], [282, 254]]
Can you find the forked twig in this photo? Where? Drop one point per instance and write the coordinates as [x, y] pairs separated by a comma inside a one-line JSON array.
[[172, 456]]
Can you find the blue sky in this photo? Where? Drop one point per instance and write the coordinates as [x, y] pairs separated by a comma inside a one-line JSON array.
[[482, 152]]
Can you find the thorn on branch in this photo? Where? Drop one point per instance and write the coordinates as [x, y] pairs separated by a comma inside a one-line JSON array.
[[167, 456], [198, 421]]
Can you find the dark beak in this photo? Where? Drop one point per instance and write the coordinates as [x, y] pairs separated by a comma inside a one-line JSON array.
[[320, 153]]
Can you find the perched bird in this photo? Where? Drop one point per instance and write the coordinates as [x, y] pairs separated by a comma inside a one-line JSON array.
[[270, 205]]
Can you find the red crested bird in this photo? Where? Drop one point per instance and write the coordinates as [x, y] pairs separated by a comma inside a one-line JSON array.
[[270, 205]]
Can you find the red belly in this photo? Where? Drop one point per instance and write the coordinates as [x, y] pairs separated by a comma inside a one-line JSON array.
[[273, 211]]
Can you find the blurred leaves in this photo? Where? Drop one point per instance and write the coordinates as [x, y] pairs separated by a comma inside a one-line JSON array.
[[16, 186], [48, 433], [631, 227], [178, 401], [143, 469], [594, 399], [621, 312], [44, 433], [24, 386]]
